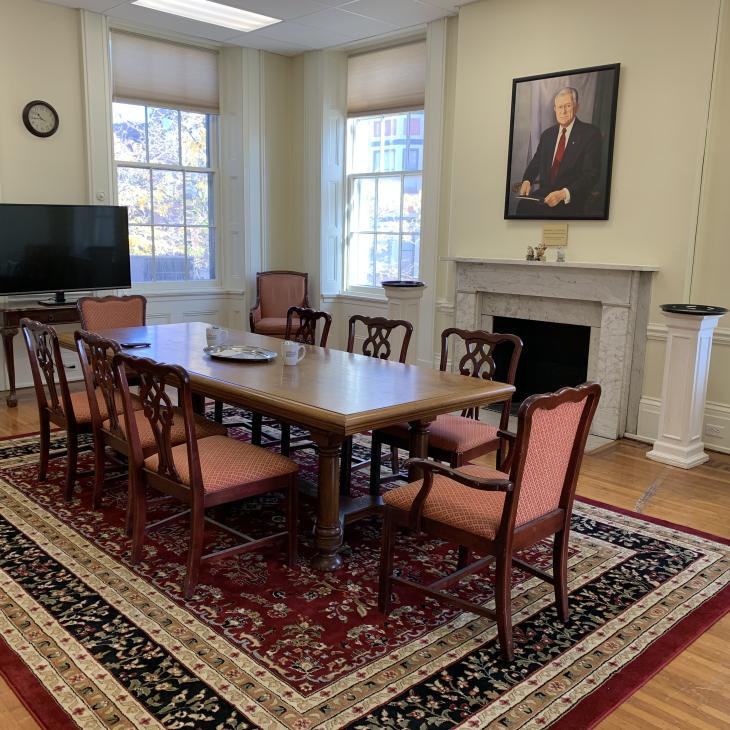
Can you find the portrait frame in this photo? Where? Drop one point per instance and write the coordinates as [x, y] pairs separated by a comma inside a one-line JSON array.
[[581, 179]]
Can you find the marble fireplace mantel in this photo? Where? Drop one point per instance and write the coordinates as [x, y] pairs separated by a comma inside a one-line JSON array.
[[611, 299]]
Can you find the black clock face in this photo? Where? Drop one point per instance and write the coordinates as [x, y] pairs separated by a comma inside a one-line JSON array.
[[40, 118]]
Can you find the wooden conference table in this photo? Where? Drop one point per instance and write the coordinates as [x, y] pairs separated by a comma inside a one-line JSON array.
[[333, 394]]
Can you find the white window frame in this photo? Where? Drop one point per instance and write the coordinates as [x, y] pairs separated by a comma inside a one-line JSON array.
[[350, 184], [214, 145]]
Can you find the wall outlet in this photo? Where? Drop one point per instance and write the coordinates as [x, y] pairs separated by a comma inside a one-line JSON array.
[[714, 429]]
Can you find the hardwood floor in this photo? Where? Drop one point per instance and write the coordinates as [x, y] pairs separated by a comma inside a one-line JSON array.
[[690, 692]]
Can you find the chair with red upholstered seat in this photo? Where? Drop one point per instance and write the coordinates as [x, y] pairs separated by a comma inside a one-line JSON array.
[[454, 438], [105, 313], [201, 473], [276, 291], [56, 403], [95, 354], [497, 513]]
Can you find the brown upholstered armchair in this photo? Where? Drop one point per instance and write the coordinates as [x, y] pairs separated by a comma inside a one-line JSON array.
[[276, 291]]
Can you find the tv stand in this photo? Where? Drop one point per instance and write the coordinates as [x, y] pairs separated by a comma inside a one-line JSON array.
[[10, 324], [58, 301]]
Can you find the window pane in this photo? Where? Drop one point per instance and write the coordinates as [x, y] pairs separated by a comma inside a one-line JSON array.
[[365, 145], [170, 253], [167, 196], [360, 260], [133, 190], [412, 187], [164, 135], [201, 253], [409, 256], [194, 131], [197, 197], [389, 199], [140, 253], [128, 128], [362, 213], [386, 258]]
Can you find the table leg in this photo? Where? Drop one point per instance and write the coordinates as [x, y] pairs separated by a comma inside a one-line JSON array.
[[328, 530], [419, 446], [7, 334]]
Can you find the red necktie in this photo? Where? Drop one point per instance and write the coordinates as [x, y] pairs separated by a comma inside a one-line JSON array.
[[558, 157]]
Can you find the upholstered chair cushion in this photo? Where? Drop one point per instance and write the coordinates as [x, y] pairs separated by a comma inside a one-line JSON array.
[[278, 292], [227, 463], [203, 427], [109, 314], [455, 434], [82, 408], [457, 505], [272, 326]]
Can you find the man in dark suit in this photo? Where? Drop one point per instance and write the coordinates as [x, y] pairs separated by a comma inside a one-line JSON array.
[[566, 165]]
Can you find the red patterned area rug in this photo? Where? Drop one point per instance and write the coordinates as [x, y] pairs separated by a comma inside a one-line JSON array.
[[89, 641]]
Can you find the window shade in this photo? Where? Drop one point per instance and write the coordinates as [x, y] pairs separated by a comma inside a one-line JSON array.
[[394, 78], [156, 72]]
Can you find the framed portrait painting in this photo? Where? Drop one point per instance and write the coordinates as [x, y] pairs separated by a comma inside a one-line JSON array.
[[561, 144]]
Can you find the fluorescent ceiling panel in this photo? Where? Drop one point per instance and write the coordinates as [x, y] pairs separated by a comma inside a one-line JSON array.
[[209, 12]]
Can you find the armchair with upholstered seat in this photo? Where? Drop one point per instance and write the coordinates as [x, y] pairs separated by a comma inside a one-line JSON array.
[[497, 513], [276, 291]]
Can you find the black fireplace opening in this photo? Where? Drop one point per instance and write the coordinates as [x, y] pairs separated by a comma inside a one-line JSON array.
[[554, 355]]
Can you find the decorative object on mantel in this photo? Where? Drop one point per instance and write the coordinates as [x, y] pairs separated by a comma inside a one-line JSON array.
[[540, 252], [573, 115], [686, 367], [404, 302], [560, 255], [530, 254]]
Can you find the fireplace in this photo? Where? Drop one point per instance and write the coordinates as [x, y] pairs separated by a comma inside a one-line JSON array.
[[609, 301], [554, 355]]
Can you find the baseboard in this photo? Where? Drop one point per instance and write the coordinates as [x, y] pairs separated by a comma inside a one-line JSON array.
[[717, 416]]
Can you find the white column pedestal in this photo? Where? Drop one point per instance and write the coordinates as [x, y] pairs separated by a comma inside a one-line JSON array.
[[686, 368], [404, 302]]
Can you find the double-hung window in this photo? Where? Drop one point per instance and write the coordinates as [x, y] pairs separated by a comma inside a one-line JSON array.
[[384, 165], [384, 183], [165, 133]]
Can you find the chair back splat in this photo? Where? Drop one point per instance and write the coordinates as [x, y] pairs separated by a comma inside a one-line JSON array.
[[379, 331], [301, 325], [101, 313], [495, 514]]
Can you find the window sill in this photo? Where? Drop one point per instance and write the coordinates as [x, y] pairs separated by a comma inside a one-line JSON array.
[[348, 296]]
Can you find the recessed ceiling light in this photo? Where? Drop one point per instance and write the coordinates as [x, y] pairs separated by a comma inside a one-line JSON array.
[[209, 12]]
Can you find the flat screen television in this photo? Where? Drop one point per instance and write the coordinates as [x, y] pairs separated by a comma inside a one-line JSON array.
[[62, 248]]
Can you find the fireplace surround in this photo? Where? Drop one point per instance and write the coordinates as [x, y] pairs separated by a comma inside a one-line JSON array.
[[611, 299]]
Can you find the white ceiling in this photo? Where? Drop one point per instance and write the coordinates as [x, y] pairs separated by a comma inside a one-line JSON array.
[[306, 24]]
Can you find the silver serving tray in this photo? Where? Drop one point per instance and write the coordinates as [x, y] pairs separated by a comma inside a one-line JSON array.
[[239, 352]]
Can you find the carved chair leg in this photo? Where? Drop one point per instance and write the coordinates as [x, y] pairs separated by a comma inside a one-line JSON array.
[[218, 411], [346, 466], [195, 551], [99, 468], [257, 421], [45, 447], [138, 506], [464, 557], [291, 522], [387, 547], [560, 573], [503, 601], [72, 455], [394, 460], [375, 447], [285, 439]]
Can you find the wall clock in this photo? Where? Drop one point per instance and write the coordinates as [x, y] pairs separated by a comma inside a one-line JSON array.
[[40, 118]]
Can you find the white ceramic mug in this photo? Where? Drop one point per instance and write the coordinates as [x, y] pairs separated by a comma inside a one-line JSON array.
[[292, 352], [216, 336]]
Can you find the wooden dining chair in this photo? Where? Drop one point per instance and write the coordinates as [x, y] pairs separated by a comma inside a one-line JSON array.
[[200, 473], [102, 313], [56, 403], [458, 438], [495, 513], [276, 291], [301, 326], [376, 342], [96, 354]]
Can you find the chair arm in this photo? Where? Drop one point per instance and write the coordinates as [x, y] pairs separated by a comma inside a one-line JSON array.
[[254, 314], [480, 483]]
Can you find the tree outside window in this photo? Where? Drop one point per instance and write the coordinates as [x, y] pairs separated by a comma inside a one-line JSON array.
[[384, 173], [165, 176]]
